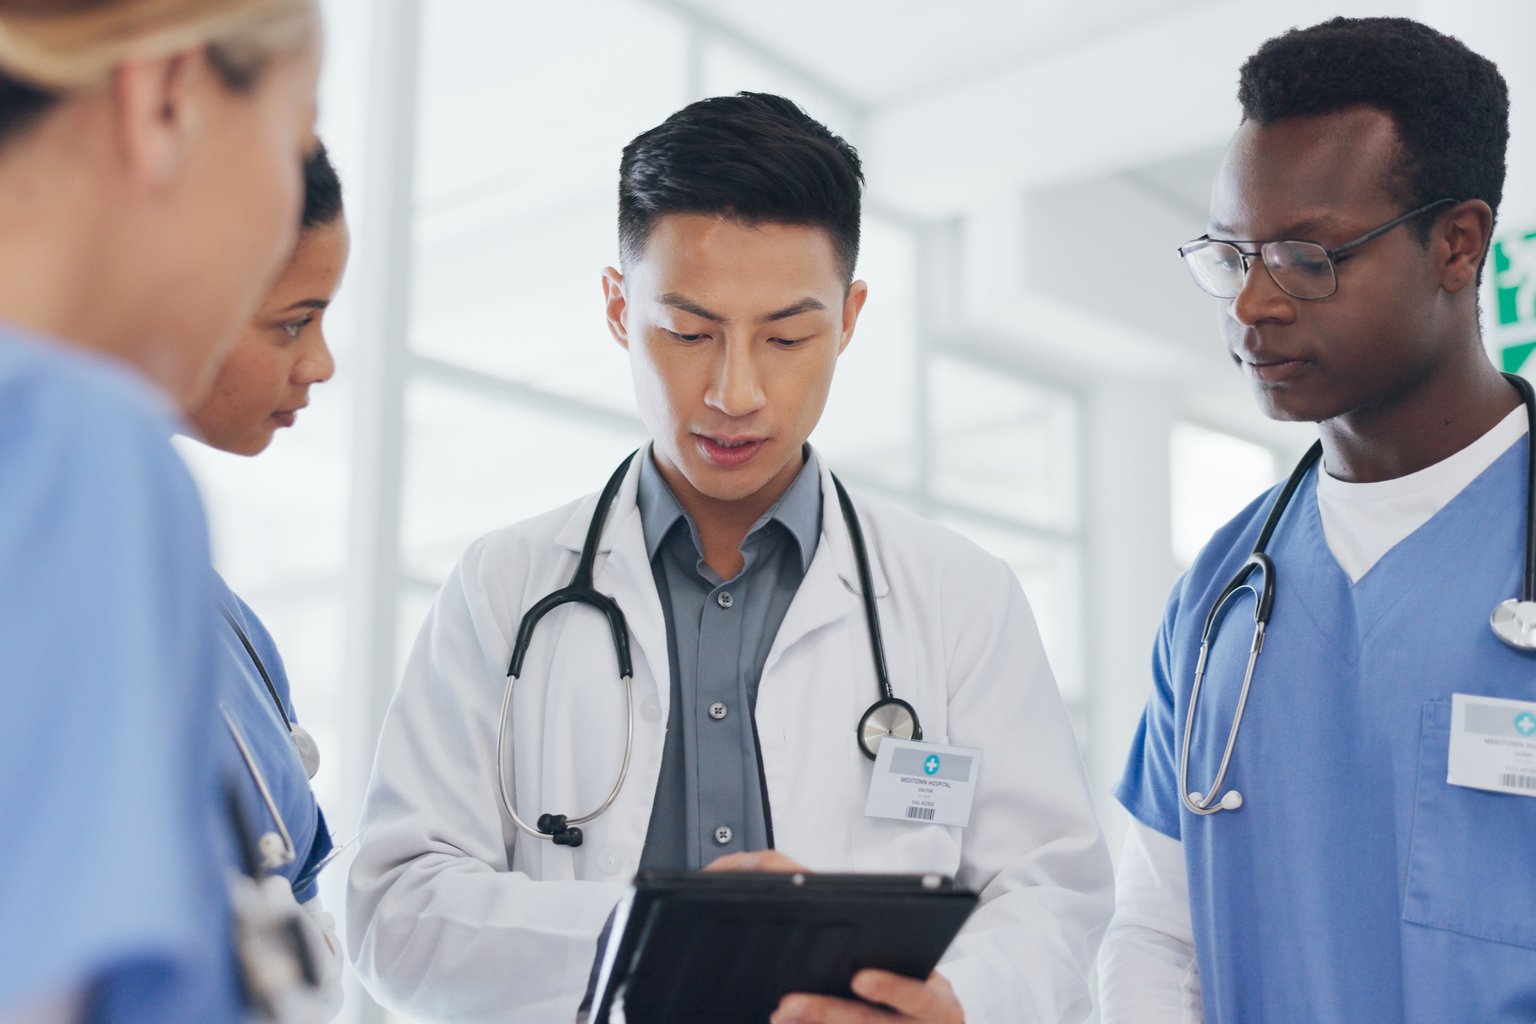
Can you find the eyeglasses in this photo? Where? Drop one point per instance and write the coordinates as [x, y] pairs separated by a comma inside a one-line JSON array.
[[1303, 270]]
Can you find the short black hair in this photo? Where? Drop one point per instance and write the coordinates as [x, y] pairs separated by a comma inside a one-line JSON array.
[[322, 190], [1450, 106], [753, 157]]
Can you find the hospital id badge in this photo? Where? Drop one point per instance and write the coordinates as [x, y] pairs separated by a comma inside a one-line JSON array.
[[927, 783], [1493, 744]]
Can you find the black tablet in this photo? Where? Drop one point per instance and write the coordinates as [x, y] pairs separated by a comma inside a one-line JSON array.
[[725, 947]]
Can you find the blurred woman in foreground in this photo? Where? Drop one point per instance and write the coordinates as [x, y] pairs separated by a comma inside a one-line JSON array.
[[261, 386], [150, 156]]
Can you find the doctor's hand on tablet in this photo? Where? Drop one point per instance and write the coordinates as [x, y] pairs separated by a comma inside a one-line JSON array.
[[930, 1002]]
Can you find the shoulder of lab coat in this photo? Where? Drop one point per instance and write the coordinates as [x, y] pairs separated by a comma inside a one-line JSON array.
[[1033, 849]]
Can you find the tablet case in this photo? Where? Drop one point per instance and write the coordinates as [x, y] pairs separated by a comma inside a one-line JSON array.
[[725, 947]]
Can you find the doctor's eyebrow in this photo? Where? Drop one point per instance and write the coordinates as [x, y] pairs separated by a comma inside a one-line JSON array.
[[677, 301], [803, 306], [306, 304], [687, 305], [1299, 230]]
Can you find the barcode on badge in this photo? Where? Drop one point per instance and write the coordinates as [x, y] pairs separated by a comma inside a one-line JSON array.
[[926, 813], [1507, 779]]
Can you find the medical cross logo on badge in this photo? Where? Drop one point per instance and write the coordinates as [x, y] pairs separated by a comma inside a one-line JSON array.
[[1525, 722], [932, 764]]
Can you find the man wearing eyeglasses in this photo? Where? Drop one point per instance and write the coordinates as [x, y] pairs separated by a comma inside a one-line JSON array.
[[1355, 851]]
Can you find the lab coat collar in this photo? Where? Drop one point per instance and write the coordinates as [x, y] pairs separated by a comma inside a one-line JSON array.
[[821, 600], [625, 516], [834, 532], [798, 511], [627, 570], [574, 533]]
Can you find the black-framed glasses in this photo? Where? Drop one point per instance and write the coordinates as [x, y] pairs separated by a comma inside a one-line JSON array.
[[1303, 270]]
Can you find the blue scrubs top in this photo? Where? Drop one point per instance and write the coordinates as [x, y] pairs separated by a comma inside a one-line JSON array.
[[1354, 884], [245, 695], [112, 877]]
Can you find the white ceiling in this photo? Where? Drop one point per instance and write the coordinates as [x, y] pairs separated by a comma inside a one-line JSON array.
[[879, 51]]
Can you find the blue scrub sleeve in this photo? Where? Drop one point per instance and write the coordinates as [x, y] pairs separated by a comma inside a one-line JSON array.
[[1149, 789], [112, 883], [306, 884]]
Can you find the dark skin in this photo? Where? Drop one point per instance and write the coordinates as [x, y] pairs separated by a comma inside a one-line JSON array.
[[1391, 366]]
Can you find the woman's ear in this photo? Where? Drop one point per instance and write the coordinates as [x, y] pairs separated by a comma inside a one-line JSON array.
[[158, 113]]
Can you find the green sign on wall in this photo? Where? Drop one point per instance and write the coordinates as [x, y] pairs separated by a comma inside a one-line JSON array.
[[1514, 280]]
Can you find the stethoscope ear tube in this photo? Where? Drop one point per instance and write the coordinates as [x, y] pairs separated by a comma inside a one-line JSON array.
[[888, 716], [580, 589], [1512, 621], [276, 848], [560, 828], [1528, 396], [1214, 800]]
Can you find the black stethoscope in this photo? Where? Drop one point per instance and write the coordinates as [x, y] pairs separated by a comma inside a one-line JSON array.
[[888, 716], [1513, 621]]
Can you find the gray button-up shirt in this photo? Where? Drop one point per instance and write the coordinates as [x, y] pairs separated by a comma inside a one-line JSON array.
[[710, 798]]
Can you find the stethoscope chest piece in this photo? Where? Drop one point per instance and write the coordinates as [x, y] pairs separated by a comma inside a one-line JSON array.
[[309, 751], [1514, 622], [891, 716]]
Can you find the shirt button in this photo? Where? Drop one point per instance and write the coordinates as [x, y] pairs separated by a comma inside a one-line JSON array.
[[650, 708], [723, 834], [609, 860], [724, 599], [717, 711]]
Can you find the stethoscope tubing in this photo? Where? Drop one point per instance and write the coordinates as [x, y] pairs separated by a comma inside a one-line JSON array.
[[501, 760], [261, 668], [560, 828], [1214, 800], [289, 852], [1210, 801], [579, 591], [1528, 395]]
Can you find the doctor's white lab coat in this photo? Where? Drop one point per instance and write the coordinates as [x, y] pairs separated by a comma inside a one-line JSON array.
[[456, 916]]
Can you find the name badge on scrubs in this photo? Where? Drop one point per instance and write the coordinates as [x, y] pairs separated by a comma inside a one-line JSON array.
[[928, 783], [1493, 744]]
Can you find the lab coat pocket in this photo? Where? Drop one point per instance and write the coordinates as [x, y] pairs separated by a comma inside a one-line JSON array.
[[1472, 856]]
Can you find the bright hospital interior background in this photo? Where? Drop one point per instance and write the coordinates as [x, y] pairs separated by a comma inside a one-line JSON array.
[[1034, 367]]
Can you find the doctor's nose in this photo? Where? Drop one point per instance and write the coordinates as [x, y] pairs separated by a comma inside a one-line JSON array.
[[1261, 299], [737, 388]]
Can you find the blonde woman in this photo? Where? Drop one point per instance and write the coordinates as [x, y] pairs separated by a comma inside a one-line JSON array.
[[150, 155]]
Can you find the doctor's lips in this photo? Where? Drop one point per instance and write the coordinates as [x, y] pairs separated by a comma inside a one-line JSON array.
[[1269, 369], [729, 451]]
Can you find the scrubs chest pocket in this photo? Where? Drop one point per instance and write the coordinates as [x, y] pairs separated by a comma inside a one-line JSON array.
[[1472, 855]]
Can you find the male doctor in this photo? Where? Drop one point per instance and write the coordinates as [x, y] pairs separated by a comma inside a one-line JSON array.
[[726, 549], [1371, 852]]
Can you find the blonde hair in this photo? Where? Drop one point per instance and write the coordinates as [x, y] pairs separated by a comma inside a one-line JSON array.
[[65, 45]]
